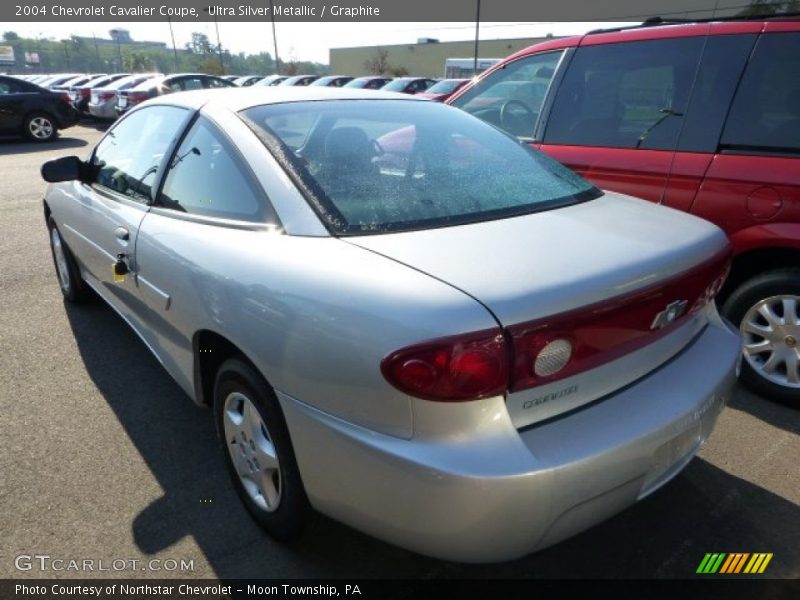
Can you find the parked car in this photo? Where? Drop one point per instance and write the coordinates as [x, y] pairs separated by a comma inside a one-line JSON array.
[[409, 85], [103, 101], [35, 112], [442, 90], [523, 386], [701, 117], [299, 80], [73, 81], [247, 80], [127, 99], [368, 83], [81, 95], [333, 81], [54, 80], [271, 80]]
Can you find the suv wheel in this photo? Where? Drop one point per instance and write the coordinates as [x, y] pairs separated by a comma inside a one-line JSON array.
[[258, 451], [40, 127], [766, 309]]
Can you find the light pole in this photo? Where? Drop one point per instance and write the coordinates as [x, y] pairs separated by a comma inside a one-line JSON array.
[[174, 49], [274, 37], [477, 31]]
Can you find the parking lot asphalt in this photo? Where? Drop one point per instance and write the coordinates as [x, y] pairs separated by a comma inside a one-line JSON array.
[[102, 456]]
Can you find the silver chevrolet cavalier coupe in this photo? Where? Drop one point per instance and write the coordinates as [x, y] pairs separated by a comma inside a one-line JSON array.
[[402, 317]]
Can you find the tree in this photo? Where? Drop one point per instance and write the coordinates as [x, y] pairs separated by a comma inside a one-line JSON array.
[[200, 44], [762, 8], [10, 36], [378, 64], [138, 62]]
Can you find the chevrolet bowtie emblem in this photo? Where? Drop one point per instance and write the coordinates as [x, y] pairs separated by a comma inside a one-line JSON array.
[[672, 311]]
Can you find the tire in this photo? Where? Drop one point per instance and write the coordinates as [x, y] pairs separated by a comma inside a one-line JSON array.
[[40, 127], [72, 285], [258, 451], [762, 309]]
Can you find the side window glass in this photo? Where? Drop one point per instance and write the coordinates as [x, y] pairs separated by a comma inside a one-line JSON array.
[[6, 88], [765, 115], [205, 178], [626, 95], [192, 83], [511, 98], [213, 82], [129, 156], [723, 60]]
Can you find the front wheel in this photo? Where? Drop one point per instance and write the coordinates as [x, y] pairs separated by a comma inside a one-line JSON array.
[[766, 309], [258, 451], [70, 281]]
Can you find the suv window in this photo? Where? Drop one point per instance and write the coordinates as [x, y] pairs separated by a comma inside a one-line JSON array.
[[205, 178], [626, 95], [128, 157], [724, 58], [765, 115], [511, 98]]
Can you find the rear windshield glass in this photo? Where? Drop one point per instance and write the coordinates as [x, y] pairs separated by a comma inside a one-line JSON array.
[[372, 166]]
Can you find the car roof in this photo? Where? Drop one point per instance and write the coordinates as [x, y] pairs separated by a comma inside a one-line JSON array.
[[660, 30], [236, 99]]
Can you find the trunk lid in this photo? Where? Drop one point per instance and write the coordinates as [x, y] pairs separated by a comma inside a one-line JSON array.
[[570, 263]]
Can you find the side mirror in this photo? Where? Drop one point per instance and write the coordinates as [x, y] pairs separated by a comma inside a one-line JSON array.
[[68, 168]]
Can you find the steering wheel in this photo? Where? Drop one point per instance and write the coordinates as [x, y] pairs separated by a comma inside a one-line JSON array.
[[514, 120]]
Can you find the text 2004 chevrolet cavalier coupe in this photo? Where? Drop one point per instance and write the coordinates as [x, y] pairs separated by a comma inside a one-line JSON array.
[[452, 343]]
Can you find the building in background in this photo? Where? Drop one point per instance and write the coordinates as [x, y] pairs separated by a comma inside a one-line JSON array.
[[118, 37], [426, 58]]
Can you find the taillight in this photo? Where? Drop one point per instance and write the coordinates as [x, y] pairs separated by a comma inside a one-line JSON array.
[[106, 96], [138, 96], [493, 362], [451, 369], [64, 97], [562, 345]]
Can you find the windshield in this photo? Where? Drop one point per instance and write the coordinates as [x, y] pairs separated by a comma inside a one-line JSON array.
[[398, 85], [373, 166], [446, 86], [512, 96]]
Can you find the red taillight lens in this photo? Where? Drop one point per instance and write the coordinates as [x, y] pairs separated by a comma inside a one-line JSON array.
[[602, 332], [138, 96], [451, 369], [106, 96], [64, 97], [483, 364]]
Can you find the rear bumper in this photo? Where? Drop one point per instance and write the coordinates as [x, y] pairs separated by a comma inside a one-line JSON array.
[[102, 111], [68, 118], [499, 493]]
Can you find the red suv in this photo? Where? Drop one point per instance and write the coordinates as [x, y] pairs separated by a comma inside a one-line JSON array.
[[703, 117]]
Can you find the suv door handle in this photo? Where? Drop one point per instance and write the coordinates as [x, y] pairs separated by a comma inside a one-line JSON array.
[[121, 234]]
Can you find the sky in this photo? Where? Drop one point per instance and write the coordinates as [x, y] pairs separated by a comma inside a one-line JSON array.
[[302, 41]]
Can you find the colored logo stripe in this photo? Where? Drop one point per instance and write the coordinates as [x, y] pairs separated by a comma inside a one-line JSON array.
[[733, 563], [711, 563], [758, 563]]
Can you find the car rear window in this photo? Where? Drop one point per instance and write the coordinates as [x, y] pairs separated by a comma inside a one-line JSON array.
[[372, 166]]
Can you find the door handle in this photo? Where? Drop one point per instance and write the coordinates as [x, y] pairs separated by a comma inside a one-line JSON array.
[[121, 234]]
